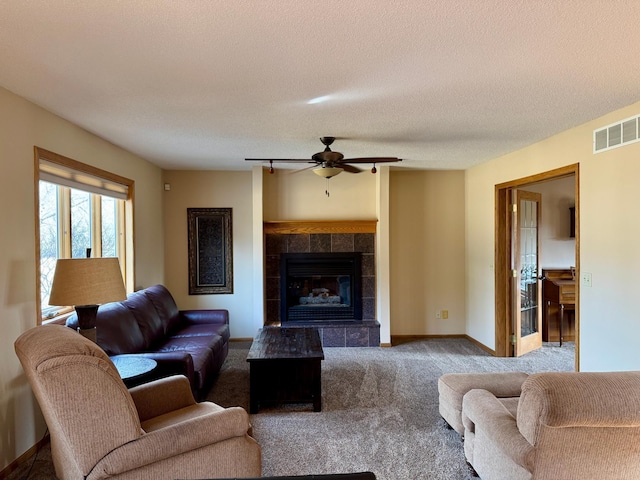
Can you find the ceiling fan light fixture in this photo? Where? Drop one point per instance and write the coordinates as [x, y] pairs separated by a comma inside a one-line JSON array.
[[327, 172]]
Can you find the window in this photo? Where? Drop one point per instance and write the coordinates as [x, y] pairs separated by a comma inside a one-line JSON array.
[[82, 211]]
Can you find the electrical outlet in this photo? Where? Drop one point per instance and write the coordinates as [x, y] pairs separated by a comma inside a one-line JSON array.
[[445, 314], [438, 314], [586, 279]]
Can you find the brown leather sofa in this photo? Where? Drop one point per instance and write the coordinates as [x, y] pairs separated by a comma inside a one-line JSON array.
[[193, 343]]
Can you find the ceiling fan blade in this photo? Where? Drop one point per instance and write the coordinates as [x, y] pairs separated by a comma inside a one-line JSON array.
[[290, 160], [372, 160], [291, 172], [349, 168]]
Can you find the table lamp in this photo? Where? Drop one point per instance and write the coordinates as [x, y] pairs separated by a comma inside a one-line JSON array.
[[85, 283]]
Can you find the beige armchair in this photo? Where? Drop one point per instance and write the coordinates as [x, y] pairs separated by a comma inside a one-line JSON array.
[[99, 429], [568, 425]]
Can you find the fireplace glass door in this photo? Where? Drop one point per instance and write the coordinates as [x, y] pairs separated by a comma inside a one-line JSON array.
[[320, 287]]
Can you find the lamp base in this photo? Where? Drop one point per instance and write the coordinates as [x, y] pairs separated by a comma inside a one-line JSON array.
[[87, 321], [89, 333]]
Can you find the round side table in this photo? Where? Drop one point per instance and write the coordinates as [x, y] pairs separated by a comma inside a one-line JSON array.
[[133, 368]]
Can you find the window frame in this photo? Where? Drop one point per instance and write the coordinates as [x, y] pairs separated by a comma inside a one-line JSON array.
[[125, 216]]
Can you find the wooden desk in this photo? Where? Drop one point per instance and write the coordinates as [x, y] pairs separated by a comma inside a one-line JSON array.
[[559, 288]]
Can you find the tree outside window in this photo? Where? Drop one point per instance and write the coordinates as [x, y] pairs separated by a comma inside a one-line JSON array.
[[68, 219]]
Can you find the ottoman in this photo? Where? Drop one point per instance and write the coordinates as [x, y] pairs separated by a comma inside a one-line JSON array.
[[452, 387]]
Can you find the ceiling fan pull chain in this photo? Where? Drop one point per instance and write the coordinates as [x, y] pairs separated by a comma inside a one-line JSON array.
[[327, 189]]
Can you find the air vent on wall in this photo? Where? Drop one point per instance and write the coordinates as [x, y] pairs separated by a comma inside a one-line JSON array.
[[616, 135]]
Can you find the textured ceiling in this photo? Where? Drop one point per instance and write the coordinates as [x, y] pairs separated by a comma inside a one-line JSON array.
[[443, 84]]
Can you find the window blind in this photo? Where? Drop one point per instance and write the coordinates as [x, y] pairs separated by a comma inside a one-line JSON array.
[[61, 175]]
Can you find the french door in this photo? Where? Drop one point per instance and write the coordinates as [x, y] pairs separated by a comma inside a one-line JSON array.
[[526, 286]]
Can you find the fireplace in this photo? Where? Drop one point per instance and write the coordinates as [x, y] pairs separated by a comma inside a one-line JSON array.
[[360, 329], [320, 287]]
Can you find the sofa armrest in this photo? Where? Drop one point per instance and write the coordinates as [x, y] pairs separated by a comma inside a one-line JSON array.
[[216, 317], [174, 440], [173, 363], [162, 396], [482, 411]]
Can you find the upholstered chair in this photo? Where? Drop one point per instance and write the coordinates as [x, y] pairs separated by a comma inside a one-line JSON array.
[[100, 429], [568, 425]]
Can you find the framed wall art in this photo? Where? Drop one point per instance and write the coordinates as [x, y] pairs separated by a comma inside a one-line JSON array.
[[210, 251]]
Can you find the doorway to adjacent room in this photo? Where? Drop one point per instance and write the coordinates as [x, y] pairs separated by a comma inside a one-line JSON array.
[[511, 338]]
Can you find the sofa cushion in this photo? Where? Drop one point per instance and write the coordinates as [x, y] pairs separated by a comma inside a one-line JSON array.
[[117, 330], [165, 305], [203, 330], [147, 317], [201, 353], [192, 343]]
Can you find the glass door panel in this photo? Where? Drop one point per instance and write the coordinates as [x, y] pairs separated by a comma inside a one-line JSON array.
[[528, 324]]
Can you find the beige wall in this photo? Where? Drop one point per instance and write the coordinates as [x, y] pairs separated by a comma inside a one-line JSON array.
[[608, 186], [427, 252], [609, 330], [285, 196], [301, 196], [422, 240], [209, 189], [23, 125]]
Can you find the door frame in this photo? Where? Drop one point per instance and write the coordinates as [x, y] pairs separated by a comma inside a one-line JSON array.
[[502, 255]]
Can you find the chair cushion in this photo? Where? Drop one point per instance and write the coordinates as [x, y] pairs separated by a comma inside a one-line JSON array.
[[453, 386], [184, 414]]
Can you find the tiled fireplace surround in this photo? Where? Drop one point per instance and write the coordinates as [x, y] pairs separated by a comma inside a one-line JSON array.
[[323, 237]]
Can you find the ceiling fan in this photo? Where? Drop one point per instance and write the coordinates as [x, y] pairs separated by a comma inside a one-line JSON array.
[[329, 163]]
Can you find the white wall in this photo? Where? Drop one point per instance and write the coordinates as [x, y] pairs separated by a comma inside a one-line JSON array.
[[609, 330], [557, 248], [23, 126]]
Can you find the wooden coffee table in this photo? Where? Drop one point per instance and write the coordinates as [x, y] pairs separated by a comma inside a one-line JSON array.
[[285, 367]]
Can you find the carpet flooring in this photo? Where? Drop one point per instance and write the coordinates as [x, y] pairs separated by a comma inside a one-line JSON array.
[[379, 411]]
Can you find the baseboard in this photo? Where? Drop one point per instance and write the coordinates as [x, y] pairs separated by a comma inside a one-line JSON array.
[[398, 339], [25, 457], [481, 345]]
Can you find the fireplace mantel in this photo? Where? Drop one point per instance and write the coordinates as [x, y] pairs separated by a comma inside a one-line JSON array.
[[288, 227]]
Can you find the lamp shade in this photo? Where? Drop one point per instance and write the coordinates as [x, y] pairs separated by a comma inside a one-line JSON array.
[[327, 172], [87, 281]]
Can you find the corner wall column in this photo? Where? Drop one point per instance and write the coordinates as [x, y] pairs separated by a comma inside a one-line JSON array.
[[383, 274], [258, 248]]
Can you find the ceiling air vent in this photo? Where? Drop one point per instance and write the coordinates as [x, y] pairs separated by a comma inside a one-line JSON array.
[[616, 134]]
